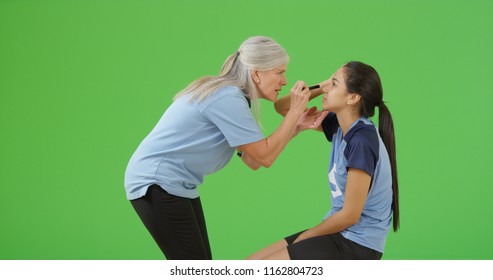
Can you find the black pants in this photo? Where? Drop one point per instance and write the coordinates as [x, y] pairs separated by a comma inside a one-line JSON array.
[[328, 247], [177, 224]]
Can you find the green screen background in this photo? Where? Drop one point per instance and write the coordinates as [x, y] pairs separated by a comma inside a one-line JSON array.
[[83, 82]]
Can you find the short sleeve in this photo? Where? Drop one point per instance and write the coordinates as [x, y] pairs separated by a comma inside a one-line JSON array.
[[231, 114], [330, 125], [362, 150]]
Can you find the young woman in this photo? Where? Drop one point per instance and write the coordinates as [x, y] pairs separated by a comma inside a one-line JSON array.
[[362, 172], [198, 135]]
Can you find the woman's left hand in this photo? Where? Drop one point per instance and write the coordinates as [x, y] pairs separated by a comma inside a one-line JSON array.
[[311, 119]]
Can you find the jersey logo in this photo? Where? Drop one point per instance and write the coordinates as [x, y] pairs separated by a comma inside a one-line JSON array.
[[332, 180]]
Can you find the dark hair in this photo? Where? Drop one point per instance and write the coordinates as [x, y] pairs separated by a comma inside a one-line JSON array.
[[364, 80]]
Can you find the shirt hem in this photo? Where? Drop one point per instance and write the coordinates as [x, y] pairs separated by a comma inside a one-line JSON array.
[[191, 194]]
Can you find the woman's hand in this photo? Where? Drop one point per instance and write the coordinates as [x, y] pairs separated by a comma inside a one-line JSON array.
[[283, 105], [300, 95], [311, 119]]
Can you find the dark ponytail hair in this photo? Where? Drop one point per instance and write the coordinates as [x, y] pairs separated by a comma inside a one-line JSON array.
[[364, 80]]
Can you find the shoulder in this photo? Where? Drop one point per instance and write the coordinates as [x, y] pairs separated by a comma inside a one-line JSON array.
[[227, 91], [225, 96], [363, 146], [363, 132], [362, 138]]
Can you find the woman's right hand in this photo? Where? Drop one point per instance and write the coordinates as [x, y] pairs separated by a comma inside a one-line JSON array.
[[300, 95]]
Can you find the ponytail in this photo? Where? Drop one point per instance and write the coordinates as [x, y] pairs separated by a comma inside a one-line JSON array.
[[363, 79], [386, 130], [228, 64], [259, 52]]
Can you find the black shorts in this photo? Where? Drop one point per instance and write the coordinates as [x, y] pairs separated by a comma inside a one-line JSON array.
[[329, 247]]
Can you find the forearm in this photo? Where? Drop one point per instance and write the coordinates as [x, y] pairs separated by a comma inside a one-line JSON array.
[[283, 104], [266, 151], [335, 223], [278, 140], [357, 187], [318, 91]]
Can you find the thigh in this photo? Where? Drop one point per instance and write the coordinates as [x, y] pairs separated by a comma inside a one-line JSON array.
[[324, 247], [330, 247], [173, 224], [199, 214], [290, 239]]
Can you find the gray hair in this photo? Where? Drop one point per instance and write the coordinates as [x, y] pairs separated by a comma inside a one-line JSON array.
[[259, 53]]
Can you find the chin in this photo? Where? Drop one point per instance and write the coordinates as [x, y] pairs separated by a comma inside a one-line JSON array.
[[271, 99]]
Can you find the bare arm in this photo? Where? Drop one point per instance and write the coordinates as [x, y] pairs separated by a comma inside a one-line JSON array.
[[266, 151], [250, 162], [312, 119], [283, 104], [357, 187]]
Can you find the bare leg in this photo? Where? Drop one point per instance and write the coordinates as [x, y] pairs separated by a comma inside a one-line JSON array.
[[267, 251], [281, 254]]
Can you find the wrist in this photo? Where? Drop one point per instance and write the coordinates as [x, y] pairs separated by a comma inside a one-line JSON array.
[[296, 112], [295, 132]]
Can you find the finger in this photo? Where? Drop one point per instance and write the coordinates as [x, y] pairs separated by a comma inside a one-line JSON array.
[[305, 89], [319, 119], [299, 85], [303, 86], [322, 116], [311, 110], [296, 85]]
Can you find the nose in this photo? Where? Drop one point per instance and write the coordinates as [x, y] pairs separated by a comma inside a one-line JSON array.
[[284, 81]]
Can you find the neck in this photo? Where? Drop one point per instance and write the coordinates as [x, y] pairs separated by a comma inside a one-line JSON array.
[[346, 119]]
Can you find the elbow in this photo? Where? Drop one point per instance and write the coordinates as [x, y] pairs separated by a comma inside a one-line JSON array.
[[264, 161], [267, 163], [276, 107], [281, 111], [351, 218], [255, 168]]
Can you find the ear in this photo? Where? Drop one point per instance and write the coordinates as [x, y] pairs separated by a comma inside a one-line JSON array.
[[256, 76], [354, 98]]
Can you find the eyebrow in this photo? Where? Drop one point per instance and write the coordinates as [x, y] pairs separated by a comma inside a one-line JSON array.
[[335, 79]]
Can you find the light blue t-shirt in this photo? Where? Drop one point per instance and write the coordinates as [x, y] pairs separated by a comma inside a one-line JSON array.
[[192, 139], [361, 148]]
